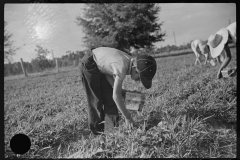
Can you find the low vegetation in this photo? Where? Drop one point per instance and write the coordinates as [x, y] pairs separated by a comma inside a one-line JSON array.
[[188, 113]]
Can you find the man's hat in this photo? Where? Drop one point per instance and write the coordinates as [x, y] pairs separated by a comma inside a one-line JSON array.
[[217, 41], [147, 66]]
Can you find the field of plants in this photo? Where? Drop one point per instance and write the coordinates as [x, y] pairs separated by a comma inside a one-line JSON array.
[[188, 113]]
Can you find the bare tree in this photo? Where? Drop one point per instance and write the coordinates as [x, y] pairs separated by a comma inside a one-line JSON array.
[[8, 49]]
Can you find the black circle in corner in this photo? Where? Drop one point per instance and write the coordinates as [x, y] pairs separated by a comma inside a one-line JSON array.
[[20, 143]]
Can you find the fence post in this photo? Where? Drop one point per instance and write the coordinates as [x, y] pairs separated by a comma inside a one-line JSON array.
[[56, 64], [23, 69]]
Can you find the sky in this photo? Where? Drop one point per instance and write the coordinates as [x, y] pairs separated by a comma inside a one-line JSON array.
[[54, 26]]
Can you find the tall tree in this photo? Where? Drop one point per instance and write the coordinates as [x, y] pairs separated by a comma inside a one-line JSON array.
[[8, 45], [121, 25], [41, 51], [41, 60]]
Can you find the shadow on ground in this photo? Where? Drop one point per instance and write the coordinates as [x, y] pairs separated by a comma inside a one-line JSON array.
[[215, 121], [226, 120], [154, 118]]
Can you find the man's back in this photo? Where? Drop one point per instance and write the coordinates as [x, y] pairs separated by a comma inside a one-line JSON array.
[[108, 58]]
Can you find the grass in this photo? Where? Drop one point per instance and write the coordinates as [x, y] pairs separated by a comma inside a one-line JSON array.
[[188, 113]]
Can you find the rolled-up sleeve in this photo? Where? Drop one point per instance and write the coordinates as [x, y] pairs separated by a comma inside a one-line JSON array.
[[233, 32]]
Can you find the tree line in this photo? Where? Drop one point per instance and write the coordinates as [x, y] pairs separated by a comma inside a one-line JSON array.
[[170, 48]]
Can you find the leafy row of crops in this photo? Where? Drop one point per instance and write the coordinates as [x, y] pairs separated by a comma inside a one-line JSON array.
[[188, 113]]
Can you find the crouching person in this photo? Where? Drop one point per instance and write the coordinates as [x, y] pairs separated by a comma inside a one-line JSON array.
[[218, 44], [200, 48], [103, 71]]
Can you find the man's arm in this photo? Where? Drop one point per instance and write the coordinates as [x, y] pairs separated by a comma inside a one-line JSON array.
[[117, 97], [110, 79], [226, 61]]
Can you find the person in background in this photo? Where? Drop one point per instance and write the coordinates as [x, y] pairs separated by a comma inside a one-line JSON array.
[[103, 71], [199, 48], [218, 45]]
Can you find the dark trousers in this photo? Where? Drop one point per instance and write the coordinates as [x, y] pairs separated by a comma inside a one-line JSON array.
[[101, 106]]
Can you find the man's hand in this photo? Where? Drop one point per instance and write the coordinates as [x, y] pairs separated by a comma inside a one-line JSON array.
[[130, 123], [219, 74], [233, 73]]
